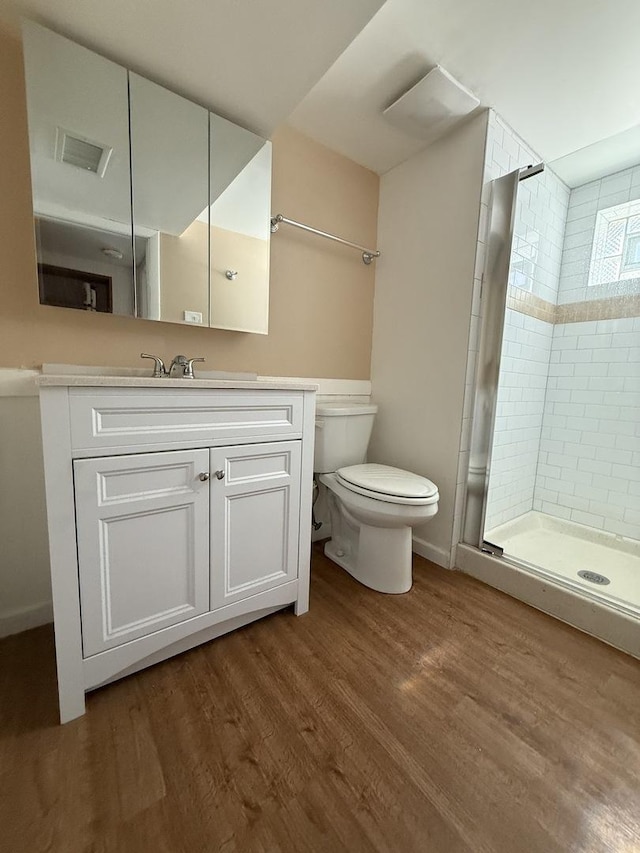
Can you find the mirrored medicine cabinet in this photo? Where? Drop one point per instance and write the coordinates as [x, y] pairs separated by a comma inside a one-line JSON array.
[[145, 204]]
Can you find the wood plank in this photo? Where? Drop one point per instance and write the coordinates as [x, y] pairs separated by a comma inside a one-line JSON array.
[[453, 718]]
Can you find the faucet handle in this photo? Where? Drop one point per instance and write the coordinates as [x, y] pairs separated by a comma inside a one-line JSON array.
[[188, 368], [159, 369]]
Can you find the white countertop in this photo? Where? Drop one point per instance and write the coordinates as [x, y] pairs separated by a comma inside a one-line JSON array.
[[94, 381]]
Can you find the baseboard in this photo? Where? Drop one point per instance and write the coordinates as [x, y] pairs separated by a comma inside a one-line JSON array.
[[605, 622], [25, 618], [439, 556]]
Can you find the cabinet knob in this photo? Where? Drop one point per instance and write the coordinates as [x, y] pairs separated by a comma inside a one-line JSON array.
[[204, 476], [220, 475]]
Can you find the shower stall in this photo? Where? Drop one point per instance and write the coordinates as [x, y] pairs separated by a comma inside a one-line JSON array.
[[553, 489]]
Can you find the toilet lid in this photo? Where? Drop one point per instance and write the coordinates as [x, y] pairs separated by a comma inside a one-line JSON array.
[[385, 480]]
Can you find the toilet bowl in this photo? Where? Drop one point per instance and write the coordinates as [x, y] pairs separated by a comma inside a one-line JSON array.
[[372, 508], [372, 530]]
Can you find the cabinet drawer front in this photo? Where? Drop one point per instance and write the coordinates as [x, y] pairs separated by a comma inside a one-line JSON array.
[[143, 549], [128, 418]]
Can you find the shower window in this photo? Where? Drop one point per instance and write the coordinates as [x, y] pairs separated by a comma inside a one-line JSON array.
[[616, 245], [632, 249]]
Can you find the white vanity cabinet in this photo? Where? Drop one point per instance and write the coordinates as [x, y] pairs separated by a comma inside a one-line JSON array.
[[177, 511]]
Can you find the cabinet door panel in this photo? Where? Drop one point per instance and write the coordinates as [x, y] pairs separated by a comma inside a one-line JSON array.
[[143, 546], [254, 519]]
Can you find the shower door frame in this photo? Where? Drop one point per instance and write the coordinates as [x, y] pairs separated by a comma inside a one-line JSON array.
[[495, 284]]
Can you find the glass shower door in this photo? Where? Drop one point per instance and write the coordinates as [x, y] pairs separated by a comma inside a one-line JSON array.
[[552, 485]]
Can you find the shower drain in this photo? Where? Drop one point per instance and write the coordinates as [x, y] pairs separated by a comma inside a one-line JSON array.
[[593, 577]]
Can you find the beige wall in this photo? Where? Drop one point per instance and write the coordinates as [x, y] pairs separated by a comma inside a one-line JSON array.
[[428, 224], [321, 293], [243, 302], [240, 303], [25, 588], [184, 278]]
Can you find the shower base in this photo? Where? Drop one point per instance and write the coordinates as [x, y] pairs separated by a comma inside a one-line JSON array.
[[566, 548], [540, 565]]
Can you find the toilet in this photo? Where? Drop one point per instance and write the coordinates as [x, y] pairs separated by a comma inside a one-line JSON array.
[[372, 508]]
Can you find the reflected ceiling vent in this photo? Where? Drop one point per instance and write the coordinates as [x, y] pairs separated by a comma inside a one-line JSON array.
[[432, 107], [116, 254], [83, 153]]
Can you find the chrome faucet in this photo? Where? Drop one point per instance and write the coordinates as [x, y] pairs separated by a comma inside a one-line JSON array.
[[181, 366], [184, 365]]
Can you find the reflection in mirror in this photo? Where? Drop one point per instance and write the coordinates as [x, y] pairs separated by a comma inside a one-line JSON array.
[[105, 142], [170, 168], [106, 261], [240, 197], [79, 143]]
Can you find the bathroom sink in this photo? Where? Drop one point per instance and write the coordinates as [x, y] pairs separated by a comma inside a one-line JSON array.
[[89, 370]]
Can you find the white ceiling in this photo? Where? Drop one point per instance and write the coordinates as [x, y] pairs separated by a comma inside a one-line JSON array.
[[245, 205], [82, 93], [250, 61], [600, 159], [563, 73], [75, 242]]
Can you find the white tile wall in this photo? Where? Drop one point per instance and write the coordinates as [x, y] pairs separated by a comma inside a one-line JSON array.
[[539, 225], [526, 350], [584, 204], [589, 463]]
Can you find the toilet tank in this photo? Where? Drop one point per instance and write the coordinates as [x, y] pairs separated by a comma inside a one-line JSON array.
[[343, 431]]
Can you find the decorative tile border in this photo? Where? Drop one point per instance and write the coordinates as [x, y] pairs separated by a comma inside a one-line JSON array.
[[530, 304], [614, 308]]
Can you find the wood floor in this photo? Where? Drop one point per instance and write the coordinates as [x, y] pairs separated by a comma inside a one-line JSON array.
[[449, 719]]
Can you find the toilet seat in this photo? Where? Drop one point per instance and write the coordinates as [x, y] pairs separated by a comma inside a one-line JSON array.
[[385, 483]]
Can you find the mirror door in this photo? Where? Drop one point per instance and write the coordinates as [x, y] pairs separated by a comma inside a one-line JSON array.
[[170, 176], [79, 143], [240, 198]]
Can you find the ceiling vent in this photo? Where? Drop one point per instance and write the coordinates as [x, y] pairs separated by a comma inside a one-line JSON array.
[[83, 153], [432, 107]]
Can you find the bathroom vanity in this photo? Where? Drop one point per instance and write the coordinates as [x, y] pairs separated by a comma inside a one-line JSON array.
[[178, 510]]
